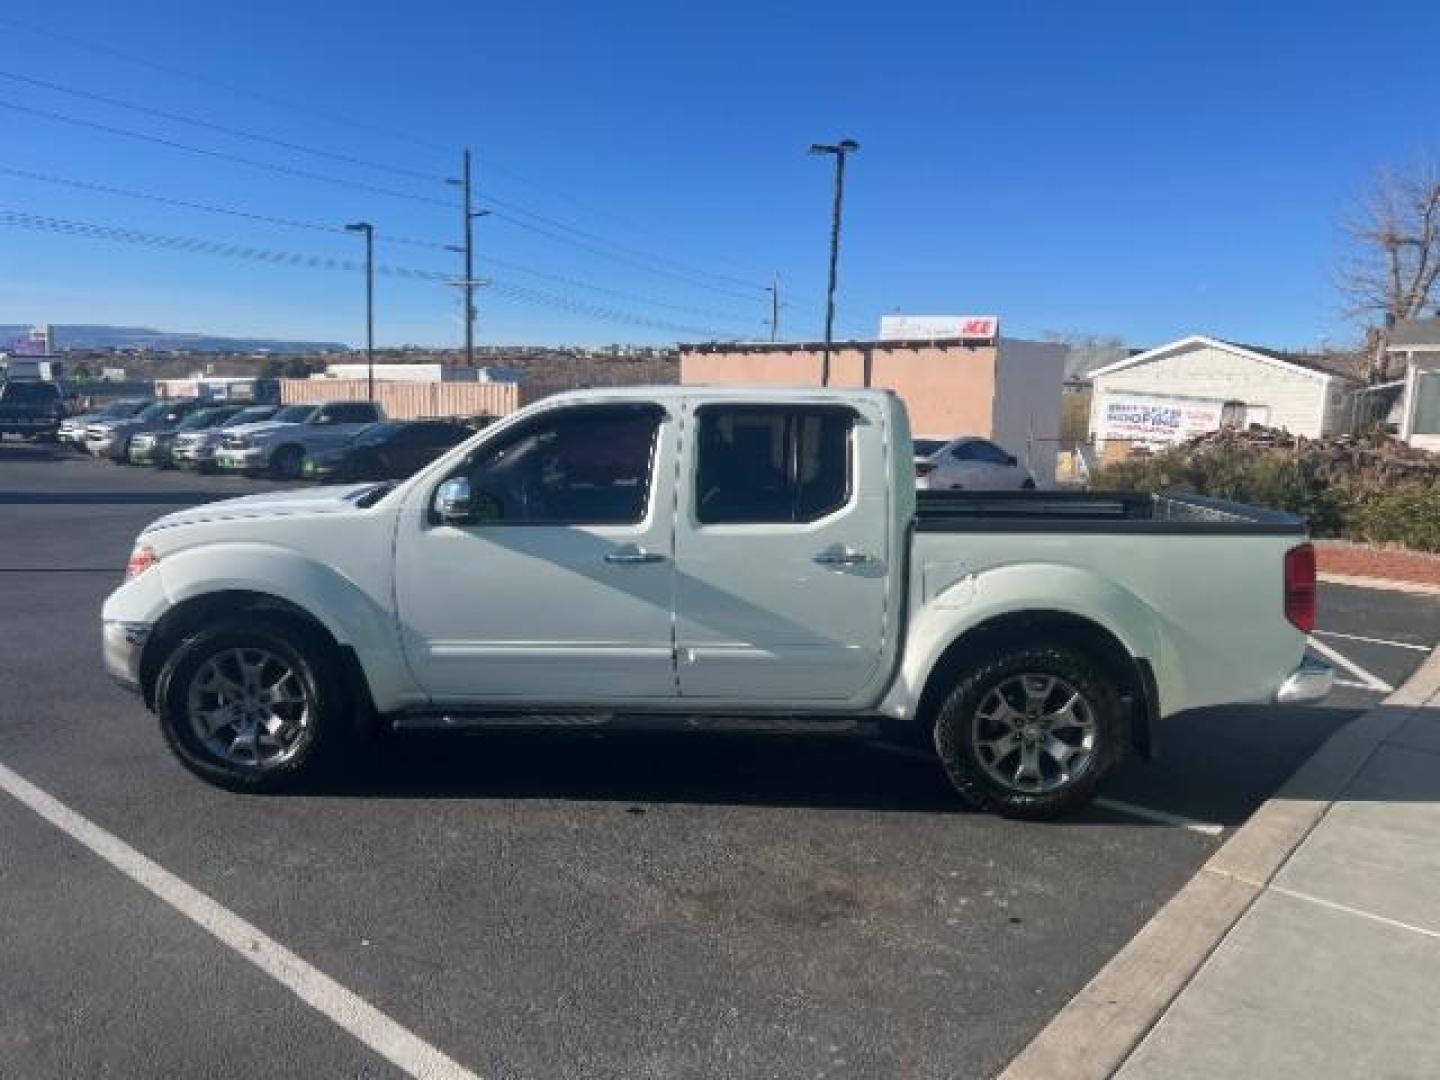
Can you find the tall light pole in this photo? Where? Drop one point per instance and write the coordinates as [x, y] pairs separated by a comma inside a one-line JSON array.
[[467, 282], [841, 151], [369, 231]]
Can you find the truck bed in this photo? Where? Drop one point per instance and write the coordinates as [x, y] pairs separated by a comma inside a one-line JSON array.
[[1095, 512]]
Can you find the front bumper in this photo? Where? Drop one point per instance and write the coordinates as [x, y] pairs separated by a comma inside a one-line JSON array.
[[1311, 681], [240, 460], [123, 643]]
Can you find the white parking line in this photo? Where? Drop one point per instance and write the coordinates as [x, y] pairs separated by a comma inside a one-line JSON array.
[[1164, 817], [1372, 682], [397, 1044], [1353, 685], [1373, 640]]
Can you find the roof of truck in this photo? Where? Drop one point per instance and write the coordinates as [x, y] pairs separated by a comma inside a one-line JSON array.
[[724, 392]]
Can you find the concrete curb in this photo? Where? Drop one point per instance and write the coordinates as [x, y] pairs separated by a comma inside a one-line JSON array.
[[1093, 1035], [1414, 588]]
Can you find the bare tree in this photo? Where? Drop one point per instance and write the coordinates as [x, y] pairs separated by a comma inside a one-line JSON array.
[[1391, 268]]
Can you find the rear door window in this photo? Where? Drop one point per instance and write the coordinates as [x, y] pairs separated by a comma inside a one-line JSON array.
[[785, 464]]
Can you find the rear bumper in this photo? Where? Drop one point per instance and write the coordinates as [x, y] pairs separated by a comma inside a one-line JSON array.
[[123, 643], [1311, 681]]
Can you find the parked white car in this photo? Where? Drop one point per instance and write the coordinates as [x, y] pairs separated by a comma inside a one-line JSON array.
[[968, 463], [692, 554]]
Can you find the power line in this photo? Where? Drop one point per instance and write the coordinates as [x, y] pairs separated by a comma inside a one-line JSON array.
[[524, 294], [209, 80], [316, 226], [306, 174], [221, 155], [195, 121], [209, 208]]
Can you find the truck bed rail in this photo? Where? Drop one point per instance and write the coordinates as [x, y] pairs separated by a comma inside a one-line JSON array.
[[1095, 511]]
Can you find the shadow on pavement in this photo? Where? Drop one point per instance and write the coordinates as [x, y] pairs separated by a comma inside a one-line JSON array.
[[1216, 766], [114, 498]]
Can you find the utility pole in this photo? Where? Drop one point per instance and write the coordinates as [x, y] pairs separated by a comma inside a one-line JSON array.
[[774, 290], [469, 267], [840, 150], [467, 282], [369, 230]]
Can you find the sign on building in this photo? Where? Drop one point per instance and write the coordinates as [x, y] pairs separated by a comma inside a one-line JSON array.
[[938, 327], [1157, 420]]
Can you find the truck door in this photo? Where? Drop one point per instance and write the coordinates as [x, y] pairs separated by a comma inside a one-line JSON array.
[[782, 550], [559, 589]]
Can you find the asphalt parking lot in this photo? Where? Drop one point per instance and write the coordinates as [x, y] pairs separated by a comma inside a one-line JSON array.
[[568, 904]]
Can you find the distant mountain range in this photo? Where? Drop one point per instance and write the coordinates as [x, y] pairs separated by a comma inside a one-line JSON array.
[[86, 336]]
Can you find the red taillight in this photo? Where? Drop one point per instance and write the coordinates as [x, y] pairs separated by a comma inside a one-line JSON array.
[[924, 468], [1300, 587], [141, 559]]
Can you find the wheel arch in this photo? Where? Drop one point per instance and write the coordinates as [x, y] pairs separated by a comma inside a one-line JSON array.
[[1133, 675], [197, 611]]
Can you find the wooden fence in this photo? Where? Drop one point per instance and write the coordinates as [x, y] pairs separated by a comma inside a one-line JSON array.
[[411, 400]]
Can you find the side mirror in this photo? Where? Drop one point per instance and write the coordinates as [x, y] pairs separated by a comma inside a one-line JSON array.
[[1011, 459], [453, 503]]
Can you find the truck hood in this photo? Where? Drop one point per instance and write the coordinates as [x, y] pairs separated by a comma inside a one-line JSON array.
[[260, 427], [322, 500]]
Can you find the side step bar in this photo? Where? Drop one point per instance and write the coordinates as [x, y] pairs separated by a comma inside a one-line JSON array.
[[456, 720]]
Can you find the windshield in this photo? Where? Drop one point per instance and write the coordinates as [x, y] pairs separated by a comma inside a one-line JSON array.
[[254, 414], [926, 447], [294, 414], [28, 391], [119, 410], [155, 411], [203, 419]]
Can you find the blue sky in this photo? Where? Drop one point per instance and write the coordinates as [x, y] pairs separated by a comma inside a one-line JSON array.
[[1140, 169]]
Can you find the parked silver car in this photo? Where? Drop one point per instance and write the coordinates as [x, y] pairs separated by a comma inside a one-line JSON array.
[[72, 428], [968, 463], [111, 438], [196, 449]]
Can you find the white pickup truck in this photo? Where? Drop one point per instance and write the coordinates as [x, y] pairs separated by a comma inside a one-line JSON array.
[[711, 558]]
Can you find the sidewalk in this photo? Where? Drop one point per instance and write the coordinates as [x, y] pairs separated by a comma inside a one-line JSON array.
[[1307, 946], [1334, 969]]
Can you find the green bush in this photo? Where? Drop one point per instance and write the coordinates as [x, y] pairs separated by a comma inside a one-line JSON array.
[[1338, 495], [1407, 514]]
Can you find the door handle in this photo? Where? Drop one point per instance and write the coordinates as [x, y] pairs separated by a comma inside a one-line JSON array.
[[632, 556], [843, 557]]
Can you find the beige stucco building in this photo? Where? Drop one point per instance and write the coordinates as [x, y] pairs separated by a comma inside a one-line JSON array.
[[1004, 389]]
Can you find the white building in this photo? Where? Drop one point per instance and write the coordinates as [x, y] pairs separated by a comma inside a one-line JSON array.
[[1199, 384], [1418, 342], [420, 373]]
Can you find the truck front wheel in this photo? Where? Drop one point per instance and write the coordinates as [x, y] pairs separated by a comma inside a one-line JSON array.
[[1032, 731], [252, 705]]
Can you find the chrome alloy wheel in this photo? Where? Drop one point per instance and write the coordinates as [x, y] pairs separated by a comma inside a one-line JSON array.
[[1035, 733], [249, 707]]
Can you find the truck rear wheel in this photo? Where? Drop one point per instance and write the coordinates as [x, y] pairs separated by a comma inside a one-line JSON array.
[[1032, 731], [252, 705]]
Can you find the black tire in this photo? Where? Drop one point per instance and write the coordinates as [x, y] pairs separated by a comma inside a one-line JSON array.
[[1028, 485], [959, 727], [311, 658], [286, 463]]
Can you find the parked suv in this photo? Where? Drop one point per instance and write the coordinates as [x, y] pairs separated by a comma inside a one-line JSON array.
[[279, 447], [111, 438], [31, 408], [196, 449], [72, 428]]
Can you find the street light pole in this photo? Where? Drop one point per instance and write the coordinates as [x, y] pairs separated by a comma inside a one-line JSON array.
[[369, 230], [840, 151]]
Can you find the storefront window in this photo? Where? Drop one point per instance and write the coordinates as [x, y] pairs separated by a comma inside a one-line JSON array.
[[1427, 403]]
